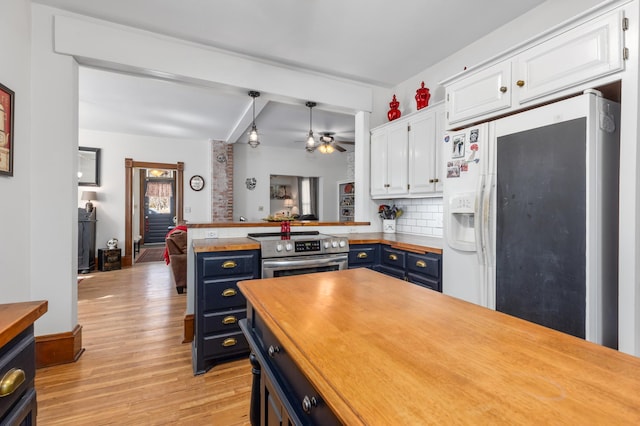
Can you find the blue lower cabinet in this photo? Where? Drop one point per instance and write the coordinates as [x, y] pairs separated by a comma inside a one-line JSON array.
[[219, 306], [422, 269], [364, 256]]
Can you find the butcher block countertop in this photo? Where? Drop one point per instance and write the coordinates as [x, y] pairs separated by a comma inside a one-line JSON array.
[[17, 317], [415, 243], [224, 244], [381, 351]]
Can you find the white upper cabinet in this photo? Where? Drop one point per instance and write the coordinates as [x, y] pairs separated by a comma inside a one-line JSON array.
[[389, 145], [405, 155], [425, 139], [487, 91], [538, 73], [579, 55]]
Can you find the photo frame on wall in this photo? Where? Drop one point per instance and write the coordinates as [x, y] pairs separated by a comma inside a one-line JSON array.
[[7, 103], [88, 166], [280, 192]]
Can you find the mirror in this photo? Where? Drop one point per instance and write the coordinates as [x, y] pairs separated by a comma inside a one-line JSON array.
[[294, 196], [88, 166]]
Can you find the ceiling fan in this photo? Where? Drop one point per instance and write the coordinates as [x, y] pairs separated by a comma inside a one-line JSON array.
[[326, 143]]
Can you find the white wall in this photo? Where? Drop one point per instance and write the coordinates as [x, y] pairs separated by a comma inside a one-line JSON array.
[[15, 257], [264, 161], [115, 147]]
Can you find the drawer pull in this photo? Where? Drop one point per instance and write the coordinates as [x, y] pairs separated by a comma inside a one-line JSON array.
[[229, 264], [230, 292], [520, 83], [421, 264], [503, 89], [229, 320], [273, 350], [393, 257], [309, 403], [11, 381], [229, 342], [362, 255]]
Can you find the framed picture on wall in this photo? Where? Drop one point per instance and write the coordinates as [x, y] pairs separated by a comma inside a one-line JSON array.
[[280, 192], [6, 130]]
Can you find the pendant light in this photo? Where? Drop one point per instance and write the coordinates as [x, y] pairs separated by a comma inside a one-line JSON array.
[[311, 142], [253, 134]]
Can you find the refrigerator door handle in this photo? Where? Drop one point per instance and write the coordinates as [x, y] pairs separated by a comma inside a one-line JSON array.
[[486, 221], [478, 219]]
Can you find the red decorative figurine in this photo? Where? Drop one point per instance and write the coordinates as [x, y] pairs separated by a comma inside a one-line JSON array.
[[394, 112], [422, 96]]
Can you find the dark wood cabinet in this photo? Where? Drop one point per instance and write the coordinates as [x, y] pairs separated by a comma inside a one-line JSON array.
[[364, 256], [287, 397], [109, 259], [18, 362], [421, 269], [86, 240], [219, 306]]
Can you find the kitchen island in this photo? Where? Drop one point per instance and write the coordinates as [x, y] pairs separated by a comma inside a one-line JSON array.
[[359, 347]]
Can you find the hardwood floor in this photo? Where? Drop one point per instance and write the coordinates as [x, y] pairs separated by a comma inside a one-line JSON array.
[[135, 370]]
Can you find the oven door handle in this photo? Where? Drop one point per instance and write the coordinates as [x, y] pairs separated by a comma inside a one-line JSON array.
[[289, 262]]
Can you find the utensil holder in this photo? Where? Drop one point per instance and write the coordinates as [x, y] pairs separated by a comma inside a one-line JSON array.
[[389, 226]]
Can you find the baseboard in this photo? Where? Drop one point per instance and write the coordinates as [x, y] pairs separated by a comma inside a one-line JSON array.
[[188, 328], [61, 348]]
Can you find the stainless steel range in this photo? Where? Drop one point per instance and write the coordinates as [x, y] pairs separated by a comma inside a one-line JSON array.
[[302, 252]]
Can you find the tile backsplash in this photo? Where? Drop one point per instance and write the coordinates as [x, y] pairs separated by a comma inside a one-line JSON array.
[[420, 216]]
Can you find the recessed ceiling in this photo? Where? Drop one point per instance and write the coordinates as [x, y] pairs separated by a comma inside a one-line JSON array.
[[370, 41]]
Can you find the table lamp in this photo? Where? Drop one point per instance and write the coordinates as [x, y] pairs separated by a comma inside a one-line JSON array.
[[88, 196]]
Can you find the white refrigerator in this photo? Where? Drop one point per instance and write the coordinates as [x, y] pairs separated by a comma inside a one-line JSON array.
[[531, 216]]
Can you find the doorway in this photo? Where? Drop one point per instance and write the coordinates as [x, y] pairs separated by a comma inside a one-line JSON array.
[[130, 167], [157, 198]]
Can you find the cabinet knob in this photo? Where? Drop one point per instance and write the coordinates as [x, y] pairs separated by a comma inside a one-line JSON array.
[[309, 403], [503, 89], [421, 264], [362, 255], [229, 320], [273, 350], [229, 342], [11, 381], [230, 292], [436, 180], [520, 83], [393, 257], [432, 180], [229, 264]]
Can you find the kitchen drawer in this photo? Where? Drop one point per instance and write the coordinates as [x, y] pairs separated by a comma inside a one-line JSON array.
[[236, 263], [223, 345], [423, 281], [24, 412], [223, 294], [392, 257], [18, 355], [223, 322], [424, 264], [363, 255], [388, 270], [291, 379]]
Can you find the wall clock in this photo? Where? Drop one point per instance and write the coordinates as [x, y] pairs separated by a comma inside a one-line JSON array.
[[196, 183]]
